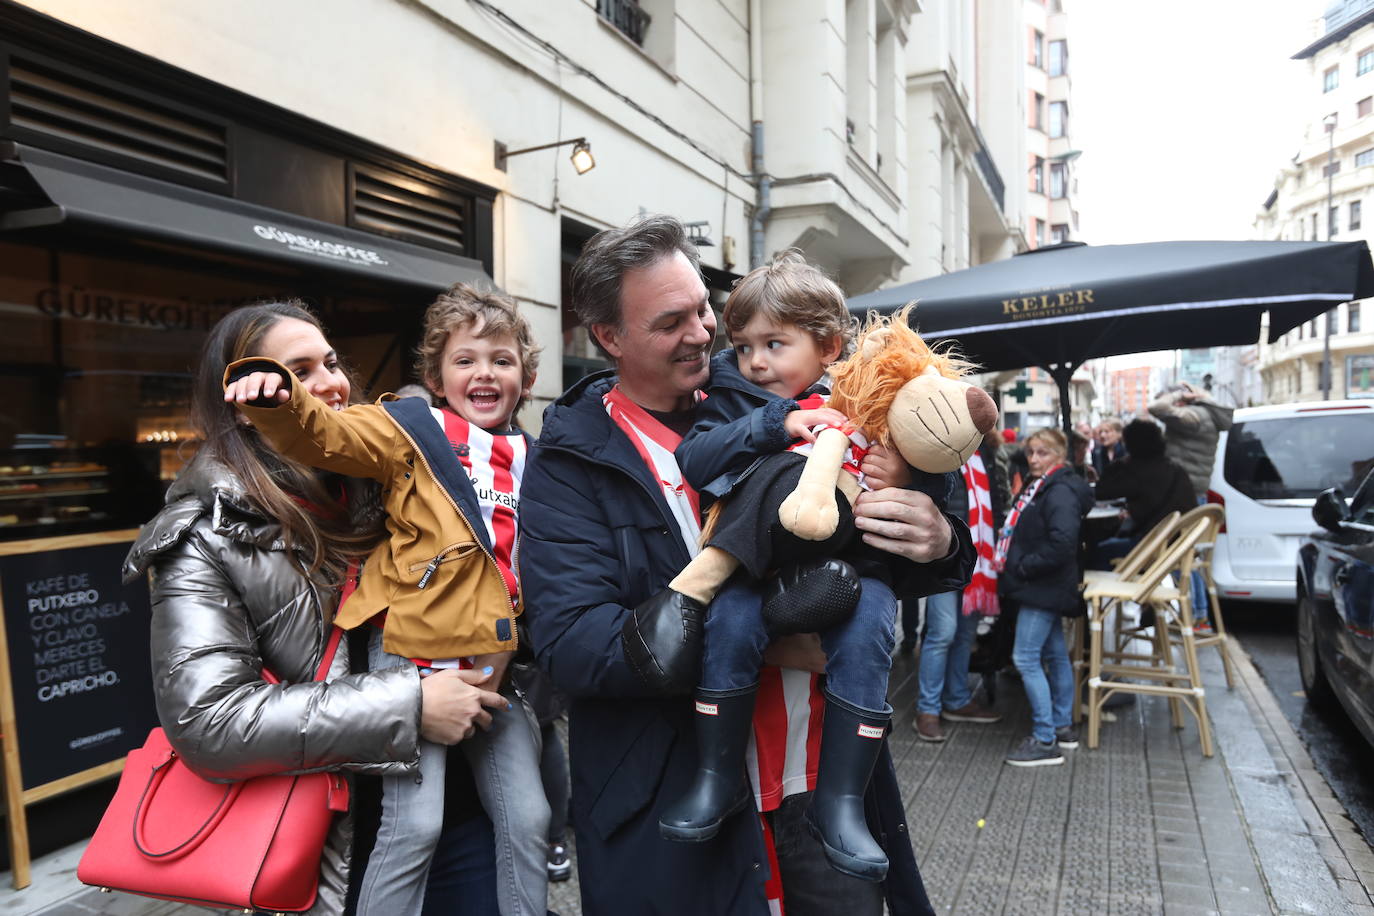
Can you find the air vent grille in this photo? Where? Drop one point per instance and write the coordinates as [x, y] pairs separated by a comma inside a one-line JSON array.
[[410, 209], [99, 117]]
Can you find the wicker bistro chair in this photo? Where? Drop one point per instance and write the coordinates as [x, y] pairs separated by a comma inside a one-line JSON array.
[[1129, 566], [1206, 546], [1154, 673]]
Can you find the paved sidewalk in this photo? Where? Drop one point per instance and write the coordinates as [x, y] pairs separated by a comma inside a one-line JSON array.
[[1144, 824]]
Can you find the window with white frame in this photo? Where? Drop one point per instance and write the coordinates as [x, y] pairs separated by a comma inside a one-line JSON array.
[[1355, 209], [1366, 157], [1037, 48], [1364, 107], [1037, 173], [1059, 233], [1352, 318], [1059, 119], [1365, 62], [1059, 57], [1331, 78], [1059, 180]]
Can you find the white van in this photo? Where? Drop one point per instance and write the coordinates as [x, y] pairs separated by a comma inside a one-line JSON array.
[[1270, 466]]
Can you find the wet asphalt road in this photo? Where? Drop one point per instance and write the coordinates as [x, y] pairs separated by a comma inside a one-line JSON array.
[[1338, 750]]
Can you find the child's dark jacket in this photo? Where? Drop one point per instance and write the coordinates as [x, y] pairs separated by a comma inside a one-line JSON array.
[[739, 423]]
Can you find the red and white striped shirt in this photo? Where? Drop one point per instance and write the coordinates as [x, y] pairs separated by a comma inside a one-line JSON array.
[[495, 463]]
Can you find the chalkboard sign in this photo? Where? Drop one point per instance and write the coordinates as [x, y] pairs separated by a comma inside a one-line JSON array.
[[79, 669]]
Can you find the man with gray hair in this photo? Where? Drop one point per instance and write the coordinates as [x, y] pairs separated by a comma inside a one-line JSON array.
[[607, 522]]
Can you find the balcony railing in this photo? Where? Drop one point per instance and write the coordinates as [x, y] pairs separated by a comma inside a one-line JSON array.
[[626, 16], [990, 173]]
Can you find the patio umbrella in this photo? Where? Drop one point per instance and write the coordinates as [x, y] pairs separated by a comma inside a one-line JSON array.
[[1057, 307]]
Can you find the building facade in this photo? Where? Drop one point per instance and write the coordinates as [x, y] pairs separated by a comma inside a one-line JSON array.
[[1050, 215], [1321, 195]]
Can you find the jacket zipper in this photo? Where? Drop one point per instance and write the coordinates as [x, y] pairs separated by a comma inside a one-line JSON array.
[[434, 564]]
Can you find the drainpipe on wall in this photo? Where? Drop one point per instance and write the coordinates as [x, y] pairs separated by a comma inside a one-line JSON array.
[[763, 183]]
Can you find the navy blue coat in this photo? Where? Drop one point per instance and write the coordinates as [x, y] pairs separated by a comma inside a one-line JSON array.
[[597, 538], [1042, 563]]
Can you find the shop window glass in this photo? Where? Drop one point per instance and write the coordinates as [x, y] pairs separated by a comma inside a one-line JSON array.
[[97, 358]]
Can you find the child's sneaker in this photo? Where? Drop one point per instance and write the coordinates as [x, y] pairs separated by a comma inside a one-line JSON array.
[[1067, 738], [560, 869], [1031, 753]]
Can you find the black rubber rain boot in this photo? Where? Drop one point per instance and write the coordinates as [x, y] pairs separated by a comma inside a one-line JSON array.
[[723, 720], [851, 740]]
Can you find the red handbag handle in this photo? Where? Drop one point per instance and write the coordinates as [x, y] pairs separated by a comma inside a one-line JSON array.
[[198, 836], [232, 790]]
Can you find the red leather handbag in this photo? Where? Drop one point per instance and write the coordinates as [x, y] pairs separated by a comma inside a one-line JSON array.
[[253, 845]]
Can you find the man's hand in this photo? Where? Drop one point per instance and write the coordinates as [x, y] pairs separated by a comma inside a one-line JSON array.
[[798, 423], [903, 522], [884, 467]]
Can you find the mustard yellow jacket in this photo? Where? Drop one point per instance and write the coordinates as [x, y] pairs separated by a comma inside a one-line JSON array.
[[462, 607]]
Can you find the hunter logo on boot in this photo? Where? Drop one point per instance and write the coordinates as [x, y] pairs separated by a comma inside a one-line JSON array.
[[865, 731], [707, 709]]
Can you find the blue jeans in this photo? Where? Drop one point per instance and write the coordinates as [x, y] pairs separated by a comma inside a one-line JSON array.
[[1039, 647], [463, 873], [858, 652], [943, 675], [505, 767]]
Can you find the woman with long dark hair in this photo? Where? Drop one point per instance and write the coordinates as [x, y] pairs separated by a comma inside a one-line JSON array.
[[248, 561]]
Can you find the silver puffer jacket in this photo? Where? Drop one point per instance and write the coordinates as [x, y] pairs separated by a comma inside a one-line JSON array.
[[228, 601]]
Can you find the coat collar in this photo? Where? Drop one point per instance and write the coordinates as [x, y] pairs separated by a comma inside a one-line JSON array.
[[578, 423], [205, 487]]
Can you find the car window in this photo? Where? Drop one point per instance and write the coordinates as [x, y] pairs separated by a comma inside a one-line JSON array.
[[1298, 457]]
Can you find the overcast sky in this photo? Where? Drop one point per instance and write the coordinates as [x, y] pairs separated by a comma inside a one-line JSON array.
[[1184, 110]]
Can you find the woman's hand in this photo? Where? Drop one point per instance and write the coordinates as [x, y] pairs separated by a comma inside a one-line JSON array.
[[801, 651], [257, 385], [451, 704], [798, 423], [884, 467]]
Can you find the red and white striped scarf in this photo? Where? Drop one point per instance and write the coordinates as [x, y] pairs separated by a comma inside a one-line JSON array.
[[980, 595], [655, 443], [999, 559]]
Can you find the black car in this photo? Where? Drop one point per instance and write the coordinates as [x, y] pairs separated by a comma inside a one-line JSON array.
[[1336, 604]]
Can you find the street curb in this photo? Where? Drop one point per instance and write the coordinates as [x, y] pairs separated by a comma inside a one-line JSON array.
[[1346, 853]]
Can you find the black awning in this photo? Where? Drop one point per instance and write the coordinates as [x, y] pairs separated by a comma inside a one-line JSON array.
[[88, 195], [1072, 303]]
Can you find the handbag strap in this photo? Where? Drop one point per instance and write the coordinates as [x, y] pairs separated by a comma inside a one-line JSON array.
[[331, 648]]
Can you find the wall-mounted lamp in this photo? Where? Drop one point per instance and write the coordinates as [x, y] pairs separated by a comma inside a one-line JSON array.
[[581, 157]]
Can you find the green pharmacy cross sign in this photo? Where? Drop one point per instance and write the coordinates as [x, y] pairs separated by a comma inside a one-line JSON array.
[[1021, 391]]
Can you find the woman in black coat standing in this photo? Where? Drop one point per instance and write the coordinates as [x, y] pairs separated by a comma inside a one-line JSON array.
[[1037, 556]]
